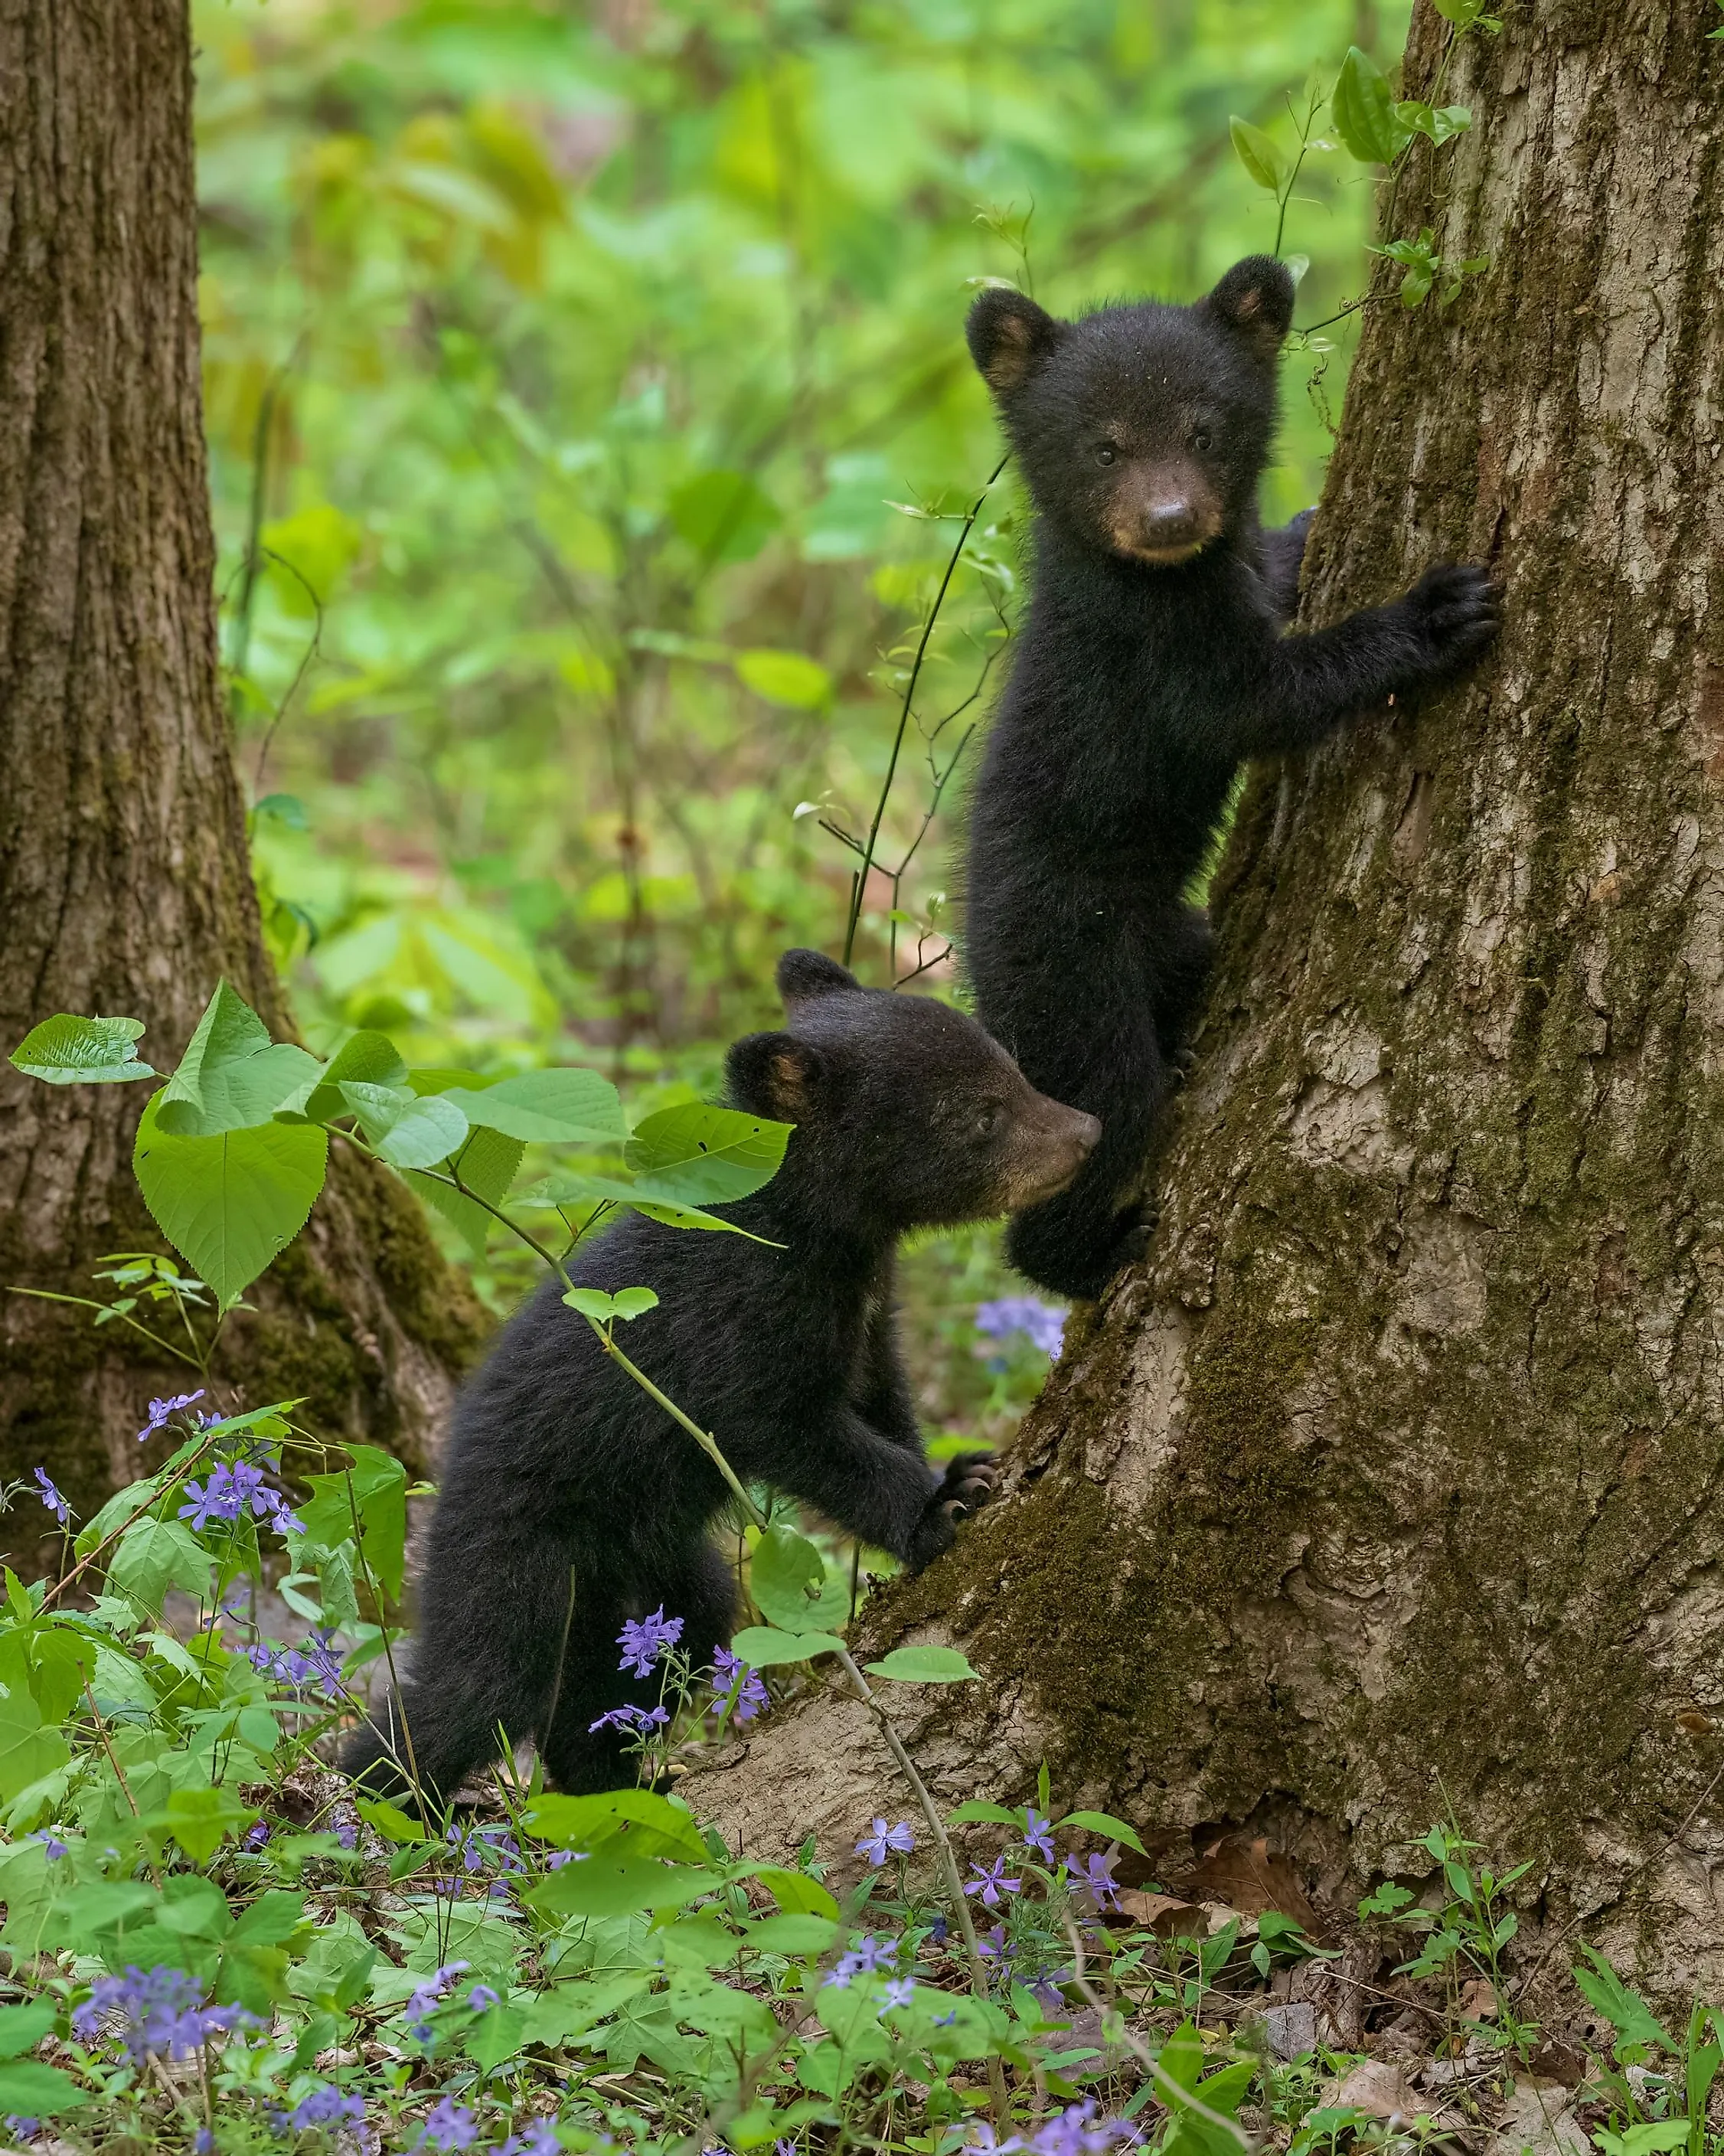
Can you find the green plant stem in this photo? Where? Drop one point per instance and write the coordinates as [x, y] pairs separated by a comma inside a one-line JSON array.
[[131, 1520], [859, 888], [376, 1595], [948, 1860], [1175, 2097], [88, 1302]]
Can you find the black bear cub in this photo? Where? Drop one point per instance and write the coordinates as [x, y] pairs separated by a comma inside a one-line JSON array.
[[906, 1115], [1151, 664]]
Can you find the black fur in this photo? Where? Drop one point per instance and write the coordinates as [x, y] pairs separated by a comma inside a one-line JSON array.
[[906, 1115], [1150, 664]]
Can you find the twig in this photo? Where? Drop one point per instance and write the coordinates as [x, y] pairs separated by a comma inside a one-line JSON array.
[[1172, 2094]]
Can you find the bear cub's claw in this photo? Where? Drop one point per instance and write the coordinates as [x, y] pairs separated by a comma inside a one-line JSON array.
[[967, 1485], [1454, 610]]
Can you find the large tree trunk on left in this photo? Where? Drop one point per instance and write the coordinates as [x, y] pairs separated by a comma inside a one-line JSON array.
[[124, 884]]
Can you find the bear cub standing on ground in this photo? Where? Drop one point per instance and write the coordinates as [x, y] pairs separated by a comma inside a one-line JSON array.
[[906, 1115], [1150, 665]]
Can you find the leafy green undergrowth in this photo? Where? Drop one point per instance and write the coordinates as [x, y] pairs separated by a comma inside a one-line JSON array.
[[214, 1945]]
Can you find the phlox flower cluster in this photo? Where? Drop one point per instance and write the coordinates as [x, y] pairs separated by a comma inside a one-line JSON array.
[[423, 2004], [313, 1662], [482, 1850], [1095, 1878], [751, 1694], [1076, 2131], [644, 1642], [235, 1489], [867, 1956], [1043, 1324], [160, 1410], [159, 2014], [322, 2106]]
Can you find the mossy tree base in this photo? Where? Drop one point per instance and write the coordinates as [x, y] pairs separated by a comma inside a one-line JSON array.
[[1393, 1481], [124, 879]]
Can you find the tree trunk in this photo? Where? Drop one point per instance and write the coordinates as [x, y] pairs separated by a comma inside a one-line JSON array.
[[1392, 1481], [124, 885]]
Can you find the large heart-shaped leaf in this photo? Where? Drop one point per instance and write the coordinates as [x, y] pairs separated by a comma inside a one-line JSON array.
[[232, 1077], [549, 1107], [788, 1578], [705, 1156], [231, 1203]]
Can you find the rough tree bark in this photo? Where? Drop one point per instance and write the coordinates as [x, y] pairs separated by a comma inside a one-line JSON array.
[[124, 885], [1400, 1458]]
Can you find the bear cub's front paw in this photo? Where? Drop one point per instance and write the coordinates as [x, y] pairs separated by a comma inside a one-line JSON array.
[[1453, 613], [967, 1484]]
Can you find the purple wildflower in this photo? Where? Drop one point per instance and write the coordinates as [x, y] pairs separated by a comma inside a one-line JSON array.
[[751, 1696], [324, 2107], [868, 1955], [162, 2014], [51, 1498], [900, 1991], [639, 1719], [21, 2128], [203, 2142], [539, 2139], [1041, 1323], [259, 1836], [419, 2008], [346, 1826], [991, 1945], [160, 1410], [450, 2126], [323, 1663], [1095, 1879], [874, 1846], [989, 1880], [1077, 2131], [481, 1996], [643, 1643], [234, 1489], [54, 1848], [1035, 1834]]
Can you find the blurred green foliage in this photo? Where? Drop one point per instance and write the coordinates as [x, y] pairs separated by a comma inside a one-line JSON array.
[[591, 380]]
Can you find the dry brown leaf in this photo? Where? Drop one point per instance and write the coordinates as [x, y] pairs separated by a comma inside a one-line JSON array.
[[1164, 1914], [1478, 2001], [1379, 2088], [1247, 1874]]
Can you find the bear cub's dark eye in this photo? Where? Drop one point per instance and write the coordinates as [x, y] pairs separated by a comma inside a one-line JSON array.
[[1106, 454], [1201, 439], [987, 1121]]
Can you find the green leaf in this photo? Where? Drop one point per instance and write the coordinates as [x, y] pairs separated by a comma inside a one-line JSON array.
[[231, 1204], [1262, 158], [705, 1156], [788, 1578], [550, 1107], [976, 1811], [608, 1885], [67, 1050], [363, 1059], [627, 1197], [785, 677], [627, 1303], [200, 1821], [379, 1496], [21, 2028], [1116, 1829], [1440, 123], [797, 1894], [153, 1555], [723, 515], [487, 1164], [391, 1822], [232, 1077], [27, 1750], [923, 1666], [646, 1823], [763, 1648], [497, 2035], [406, 1131], [28, 2089], [1625, 2010], [1364, 109]]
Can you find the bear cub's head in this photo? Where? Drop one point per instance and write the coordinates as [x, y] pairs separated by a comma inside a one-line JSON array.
[[1141, 431], [908, 1115]]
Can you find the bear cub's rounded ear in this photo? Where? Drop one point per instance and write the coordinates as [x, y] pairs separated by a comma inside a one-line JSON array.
[[776, 1074], [1255, 299], [1009, 336], [802, 975]]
